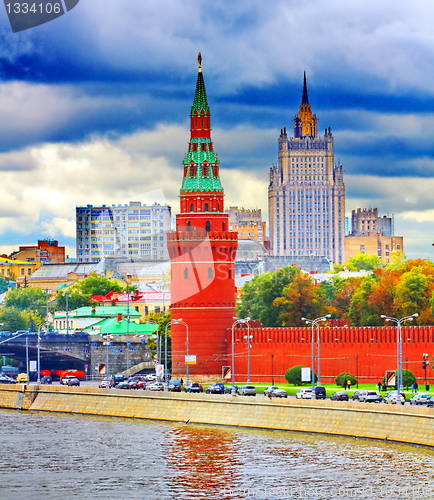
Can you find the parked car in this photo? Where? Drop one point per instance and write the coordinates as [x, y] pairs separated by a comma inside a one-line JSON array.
[[4, 379], [371, 397], [269, 389], [22, 377], [133, 383], [156, 386], [116, 379], [65, 380], [106, 384], [193, 387], [361, 395], [304, 394], [420, 399], [430, 402], [319, 393], [339, 396], [70, 381], [393, 397], [123, 385], [215, 389], [46, 380], [355, 396], [230, 388], [174, 386], [278, 393], [247, 390]]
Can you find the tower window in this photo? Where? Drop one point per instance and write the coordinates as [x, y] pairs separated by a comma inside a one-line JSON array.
[[185, 273], [206, 207], [188, 226], [203, 146], [191, 207], [210, 273], [207, 226]]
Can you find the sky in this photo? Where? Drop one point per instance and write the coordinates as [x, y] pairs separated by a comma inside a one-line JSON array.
[[94, 105]]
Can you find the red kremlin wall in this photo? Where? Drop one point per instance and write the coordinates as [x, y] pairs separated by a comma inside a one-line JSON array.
[[365, 352]]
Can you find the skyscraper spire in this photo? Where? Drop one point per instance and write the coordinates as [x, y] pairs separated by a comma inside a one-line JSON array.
[[304, 98]]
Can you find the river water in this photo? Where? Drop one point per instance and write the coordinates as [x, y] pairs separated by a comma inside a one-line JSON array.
[[62, 457]]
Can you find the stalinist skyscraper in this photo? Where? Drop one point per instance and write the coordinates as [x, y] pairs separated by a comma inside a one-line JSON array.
[[306, 195]]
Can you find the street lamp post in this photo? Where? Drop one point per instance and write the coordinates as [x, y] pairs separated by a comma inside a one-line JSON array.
[[425, 363], [38, 374], [107, 343], [398, 323], [357, 371], [66, 312], [181, 322], [234, 324], [248, 337], [166, 378], [314, 322]]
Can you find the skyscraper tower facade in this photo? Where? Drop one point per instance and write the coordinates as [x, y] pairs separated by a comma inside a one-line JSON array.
[[306, 194], [202, 252]]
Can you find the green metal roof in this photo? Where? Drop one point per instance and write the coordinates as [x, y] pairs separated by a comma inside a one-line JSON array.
[[100, 312], [114, 327], [200, 103], [199, 182]]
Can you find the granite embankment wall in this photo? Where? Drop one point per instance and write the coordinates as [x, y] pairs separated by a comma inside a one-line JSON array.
[[403, 424]]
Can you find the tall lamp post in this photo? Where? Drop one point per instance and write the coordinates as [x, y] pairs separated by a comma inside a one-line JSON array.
[[357, 371], [38, 370], [248, 337], [314, 322], [181, 322], [169, 323], [234, 324], [425, 363], [107, 342], [398, 323], [66, 312]]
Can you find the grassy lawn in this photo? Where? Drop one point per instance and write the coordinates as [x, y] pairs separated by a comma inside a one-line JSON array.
[[291, 390]]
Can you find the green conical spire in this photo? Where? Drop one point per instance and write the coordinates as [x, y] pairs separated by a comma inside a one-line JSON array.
[[200, 102]]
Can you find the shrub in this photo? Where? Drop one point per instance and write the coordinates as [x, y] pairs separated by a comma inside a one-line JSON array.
[[408, 378], [293, 375], [343, 378]]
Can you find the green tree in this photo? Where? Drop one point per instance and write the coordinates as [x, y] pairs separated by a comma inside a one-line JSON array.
[[293, 375], [360, 261], [411, 292], [4, 285], [81, 291], [13, 319], [258, 298], [300, 298], [360, 311], [27, 299], [162, 320], [343, 378]]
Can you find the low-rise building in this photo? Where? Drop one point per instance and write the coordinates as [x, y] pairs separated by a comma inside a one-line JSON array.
[[85, 317], [17, 270]]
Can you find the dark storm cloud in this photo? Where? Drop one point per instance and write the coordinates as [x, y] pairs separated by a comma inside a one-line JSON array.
[[111, 84]]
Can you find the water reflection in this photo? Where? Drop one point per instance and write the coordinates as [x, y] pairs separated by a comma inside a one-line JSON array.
[[55, 457], [203, 461]]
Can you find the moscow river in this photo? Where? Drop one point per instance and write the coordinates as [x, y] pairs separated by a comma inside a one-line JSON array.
[[63, 457]]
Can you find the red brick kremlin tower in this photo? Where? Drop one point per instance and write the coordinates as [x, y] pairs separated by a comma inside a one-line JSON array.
[[202, 253]]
